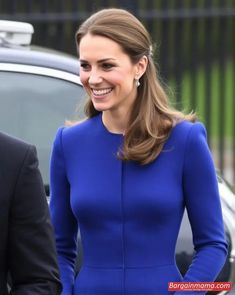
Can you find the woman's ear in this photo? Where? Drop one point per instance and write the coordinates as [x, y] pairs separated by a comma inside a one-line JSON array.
[[141, 66]]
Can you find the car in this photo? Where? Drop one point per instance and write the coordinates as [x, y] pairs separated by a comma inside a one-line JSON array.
[[40, 89]]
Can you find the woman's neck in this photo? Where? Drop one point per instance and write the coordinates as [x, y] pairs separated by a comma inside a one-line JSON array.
[[115, 122]]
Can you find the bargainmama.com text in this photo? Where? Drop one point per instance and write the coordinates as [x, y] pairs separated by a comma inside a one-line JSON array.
[[199, 286]]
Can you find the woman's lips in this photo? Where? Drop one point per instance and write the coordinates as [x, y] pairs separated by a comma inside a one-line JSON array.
[[101, 92]]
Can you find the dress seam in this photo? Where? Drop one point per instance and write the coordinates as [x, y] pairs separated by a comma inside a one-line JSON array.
[[186, 149]]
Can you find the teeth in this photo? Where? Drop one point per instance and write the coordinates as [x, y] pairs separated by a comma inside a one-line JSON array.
[[101, 91]]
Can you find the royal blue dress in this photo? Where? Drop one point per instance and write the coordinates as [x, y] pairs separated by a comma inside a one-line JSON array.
[[129, 215]]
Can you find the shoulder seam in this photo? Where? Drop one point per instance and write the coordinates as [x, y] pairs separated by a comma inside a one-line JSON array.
[[186, 147], [62, 150]]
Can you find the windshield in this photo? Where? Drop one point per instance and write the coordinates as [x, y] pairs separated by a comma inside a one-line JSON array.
[[33, 107]]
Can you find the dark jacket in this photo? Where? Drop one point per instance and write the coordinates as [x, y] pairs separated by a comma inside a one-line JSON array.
[[27, 250]]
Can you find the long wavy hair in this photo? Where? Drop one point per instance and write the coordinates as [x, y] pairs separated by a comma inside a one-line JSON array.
[[152, 117]]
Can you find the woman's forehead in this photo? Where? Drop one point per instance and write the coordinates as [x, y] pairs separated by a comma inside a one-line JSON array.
[[100, 47]]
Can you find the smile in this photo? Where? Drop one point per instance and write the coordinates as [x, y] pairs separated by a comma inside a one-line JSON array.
[[101, 92]]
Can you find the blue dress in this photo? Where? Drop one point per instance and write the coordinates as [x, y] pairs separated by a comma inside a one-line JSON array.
[[129, 215]]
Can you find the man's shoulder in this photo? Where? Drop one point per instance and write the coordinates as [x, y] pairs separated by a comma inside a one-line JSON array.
[[11, 146], [8, 141]]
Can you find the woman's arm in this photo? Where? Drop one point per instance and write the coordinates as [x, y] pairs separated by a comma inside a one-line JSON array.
[[65, 224], [204, 210]]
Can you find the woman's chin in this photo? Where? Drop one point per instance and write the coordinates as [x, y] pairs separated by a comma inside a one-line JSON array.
[[101, 108]]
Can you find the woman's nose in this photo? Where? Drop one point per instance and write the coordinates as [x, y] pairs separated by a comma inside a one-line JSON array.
[[94, 78]]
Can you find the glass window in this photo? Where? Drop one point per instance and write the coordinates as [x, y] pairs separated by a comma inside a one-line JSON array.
[[33, 107]]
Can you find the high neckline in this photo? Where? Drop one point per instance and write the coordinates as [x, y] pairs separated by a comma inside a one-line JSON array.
[[106, 129]]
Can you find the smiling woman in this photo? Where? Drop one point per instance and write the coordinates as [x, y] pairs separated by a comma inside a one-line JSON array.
[[128, 172], [108, 75]]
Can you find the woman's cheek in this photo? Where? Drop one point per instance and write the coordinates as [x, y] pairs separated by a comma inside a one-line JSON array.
[[83, 78]]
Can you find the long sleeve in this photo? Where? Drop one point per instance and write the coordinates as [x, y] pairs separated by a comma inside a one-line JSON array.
[[204, 210], [65, 224], [32, 254]]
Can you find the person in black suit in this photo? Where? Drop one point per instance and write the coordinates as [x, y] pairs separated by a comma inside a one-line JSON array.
[[27, 249]]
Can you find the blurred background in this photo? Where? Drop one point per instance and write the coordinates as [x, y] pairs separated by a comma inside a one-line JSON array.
[[194, 43]]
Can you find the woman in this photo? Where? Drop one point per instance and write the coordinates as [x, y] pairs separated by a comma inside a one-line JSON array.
[[127, 173]]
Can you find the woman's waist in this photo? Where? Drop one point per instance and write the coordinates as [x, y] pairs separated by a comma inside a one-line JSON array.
[[126, 259], [122, 266]]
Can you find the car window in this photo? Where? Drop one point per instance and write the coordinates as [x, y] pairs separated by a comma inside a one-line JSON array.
[[33, 107]]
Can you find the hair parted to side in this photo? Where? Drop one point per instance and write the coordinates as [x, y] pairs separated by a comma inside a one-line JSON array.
[[151, 118]]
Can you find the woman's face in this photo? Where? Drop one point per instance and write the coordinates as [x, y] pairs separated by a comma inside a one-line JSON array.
[[107, 73]]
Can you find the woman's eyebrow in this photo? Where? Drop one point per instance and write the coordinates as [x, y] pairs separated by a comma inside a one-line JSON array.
[[101, 60]]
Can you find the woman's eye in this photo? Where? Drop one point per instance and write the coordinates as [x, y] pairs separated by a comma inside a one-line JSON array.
[[107, 66], [85, 66]]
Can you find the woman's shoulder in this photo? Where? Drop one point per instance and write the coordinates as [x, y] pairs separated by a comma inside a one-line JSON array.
[[185, 131], [85, 126], [78, 132], [184, 127]]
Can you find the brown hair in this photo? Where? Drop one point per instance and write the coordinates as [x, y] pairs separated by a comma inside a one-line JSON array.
[[151, 118]]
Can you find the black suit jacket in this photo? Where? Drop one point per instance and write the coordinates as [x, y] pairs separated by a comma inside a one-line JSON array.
[[27, 248]]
